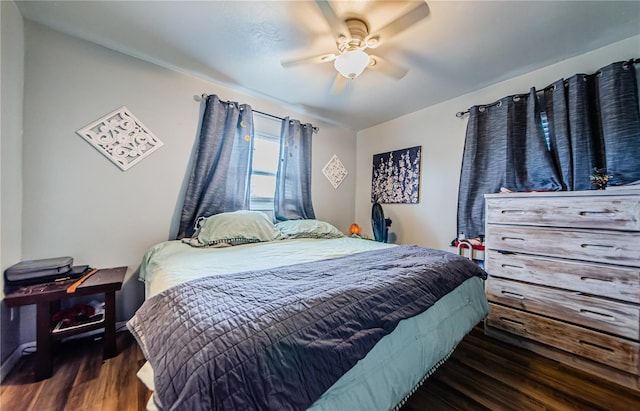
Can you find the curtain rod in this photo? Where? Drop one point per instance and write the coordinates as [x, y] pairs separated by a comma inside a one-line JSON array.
[[205, 96], [461, 114]]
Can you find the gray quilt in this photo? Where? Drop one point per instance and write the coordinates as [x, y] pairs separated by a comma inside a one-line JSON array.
[[277, 339]]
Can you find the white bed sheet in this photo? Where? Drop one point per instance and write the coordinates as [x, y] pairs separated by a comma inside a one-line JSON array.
[[173, 262]]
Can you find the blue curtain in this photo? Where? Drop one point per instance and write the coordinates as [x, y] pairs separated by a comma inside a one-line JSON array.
[[220, 178], [293, 179], [504, 147], [551, 140], [595, 123], [483, 170]]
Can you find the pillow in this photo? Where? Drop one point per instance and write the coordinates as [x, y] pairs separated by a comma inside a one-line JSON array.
[[308, 229], [235, 228]]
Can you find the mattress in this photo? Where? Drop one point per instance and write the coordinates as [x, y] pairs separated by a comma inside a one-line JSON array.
[[397, 363]]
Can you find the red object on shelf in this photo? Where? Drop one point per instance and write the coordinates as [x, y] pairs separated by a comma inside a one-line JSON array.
[[474, 246]]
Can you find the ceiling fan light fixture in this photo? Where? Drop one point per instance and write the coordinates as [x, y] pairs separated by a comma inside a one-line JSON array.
[[351, 63]]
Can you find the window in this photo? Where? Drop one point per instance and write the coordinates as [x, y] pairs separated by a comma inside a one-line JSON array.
[[266, 155], [545, 129]]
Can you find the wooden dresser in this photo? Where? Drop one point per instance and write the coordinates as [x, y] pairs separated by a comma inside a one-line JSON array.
[[564, 277]]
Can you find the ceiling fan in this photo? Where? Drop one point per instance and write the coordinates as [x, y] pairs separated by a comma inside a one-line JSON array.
[[353, 39]]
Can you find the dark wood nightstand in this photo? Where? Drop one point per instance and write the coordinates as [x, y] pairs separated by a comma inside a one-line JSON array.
[[47, 298]]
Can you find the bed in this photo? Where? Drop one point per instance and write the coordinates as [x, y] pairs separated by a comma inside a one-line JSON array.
[[313, 321]]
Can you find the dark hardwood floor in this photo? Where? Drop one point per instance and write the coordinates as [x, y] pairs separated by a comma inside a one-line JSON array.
[[482, 374], [82, 380], [486, 374]]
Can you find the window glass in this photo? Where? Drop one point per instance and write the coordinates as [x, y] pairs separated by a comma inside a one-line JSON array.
[[545, 129], [263, 186], [266, 152]]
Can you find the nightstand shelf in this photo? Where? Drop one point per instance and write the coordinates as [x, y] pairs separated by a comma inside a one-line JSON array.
[[62, 334]]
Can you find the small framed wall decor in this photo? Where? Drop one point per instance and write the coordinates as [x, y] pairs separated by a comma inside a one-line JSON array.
[[121, 137], [396, 176], [335, 172]]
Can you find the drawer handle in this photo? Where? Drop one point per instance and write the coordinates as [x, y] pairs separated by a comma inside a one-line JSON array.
[[598, 280], [511, 294], [509, 320], [593, 345], [512, 211], [600, 246], [604, 213], [512, 266], [512, 239], [596, 314]]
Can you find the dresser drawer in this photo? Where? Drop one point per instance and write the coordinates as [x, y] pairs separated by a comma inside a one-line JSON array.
[[609, 316], [617, 282], [612, 351], [610, 212], [599, 246]]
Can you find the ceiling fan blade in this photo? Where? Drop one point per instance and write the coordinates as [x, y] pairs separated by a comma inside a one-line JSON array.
[[322, 58], [337, 25], [339, 84], [403, 22], [386, 67]]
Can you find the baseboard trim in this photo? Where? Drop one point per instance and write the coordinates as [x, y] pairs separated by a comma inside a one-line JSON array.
[[12, 360]]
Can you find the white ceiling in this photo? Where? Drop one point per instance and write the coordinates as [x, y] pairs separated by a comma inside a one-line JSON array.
[[460, 47]]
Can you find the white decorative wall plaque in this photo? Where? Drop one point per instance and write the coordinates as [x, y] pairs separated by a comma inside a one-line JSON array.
[[335, 171], [121, 137]]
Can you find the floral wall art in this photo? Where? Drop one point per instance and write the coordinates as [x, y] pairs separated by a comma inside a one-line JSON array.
[[396, 177]]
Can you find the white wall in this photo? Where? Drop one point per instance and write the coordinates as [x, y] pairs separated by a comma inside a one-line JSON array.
[[76, 202], [432, 223], [11, 69]]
